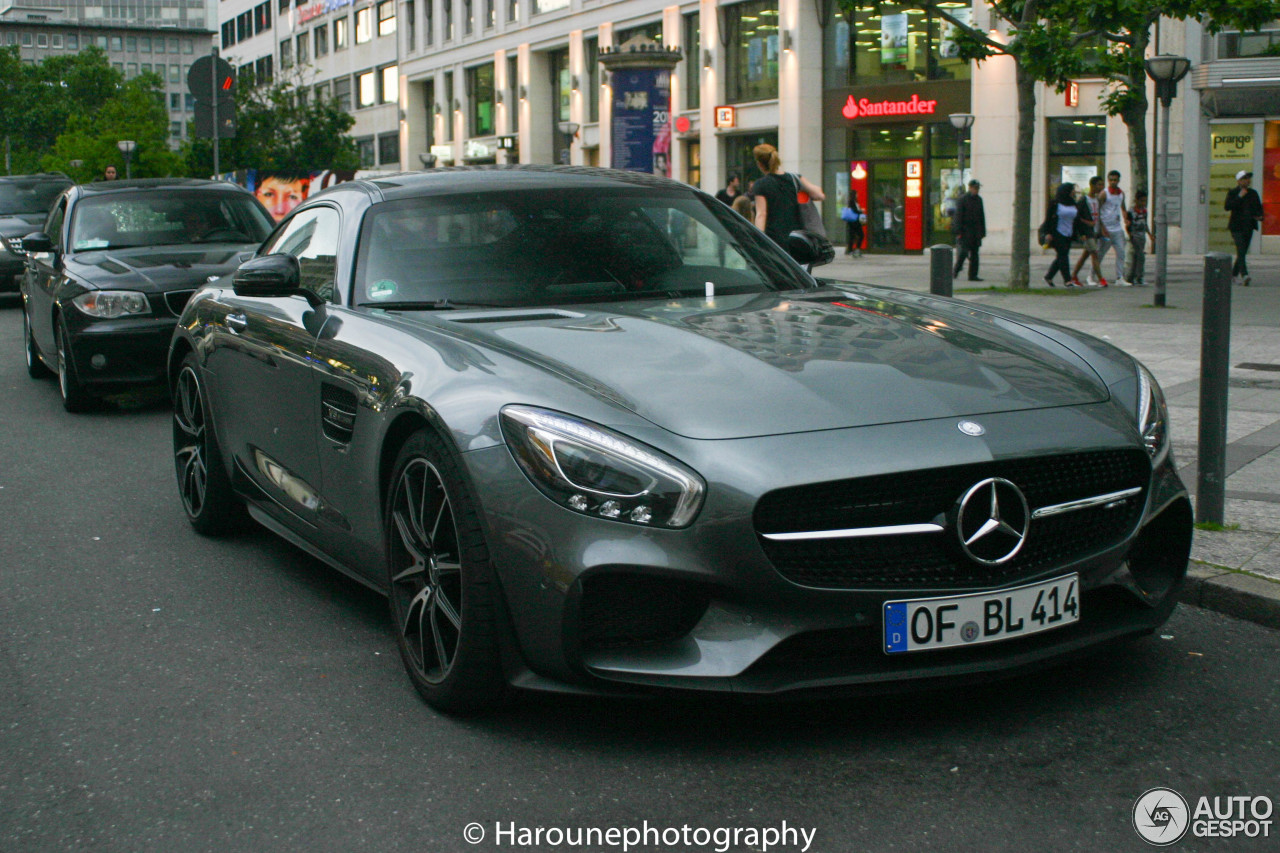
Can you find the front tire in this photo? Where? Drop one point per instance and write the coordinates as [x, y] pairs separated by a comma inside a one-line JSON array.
[[207, 497], [36, 368], [74, 396], [443, 593]]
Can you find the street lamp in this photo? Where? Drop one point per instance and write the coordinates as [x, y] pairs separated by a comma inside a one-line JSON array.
[[126, 147], [961, 122], [1166, 71]]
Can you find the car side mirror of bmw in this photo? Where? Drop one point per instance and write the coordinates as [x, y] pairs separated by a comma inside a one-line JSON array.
[[272, 275], [38, 242], [809, 248]]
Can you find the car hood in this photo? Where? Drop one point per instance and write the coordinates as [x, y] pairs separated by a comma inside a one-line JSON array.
[[21, 224], [767, 364], [157, 268]]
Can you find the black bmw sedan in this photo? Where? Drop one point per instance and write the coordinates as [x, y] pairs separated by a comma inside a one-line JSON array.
[[24, 205], [112, 269], [592, 431]]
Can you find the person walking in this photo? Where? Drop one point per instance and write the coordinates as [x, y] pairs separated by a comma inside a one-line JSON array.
[[731, 190], [854, 218], [1245, 208], [1089, 237], [1111, 217], [1065, 219], [1139, 230], [777, 208], [969, 225]]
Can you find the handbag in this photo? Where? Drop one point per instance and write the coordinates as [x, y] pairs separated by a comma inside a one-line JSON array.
[[810, 218], [848, 215]]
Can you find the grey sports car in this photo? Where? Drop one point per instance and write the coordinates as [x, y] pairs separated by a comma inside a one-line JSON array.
[[592, 431]]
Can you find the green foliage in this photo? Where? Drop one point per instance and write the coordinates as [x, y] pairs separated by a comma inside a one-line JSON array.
[[280, 131], [136, 112]]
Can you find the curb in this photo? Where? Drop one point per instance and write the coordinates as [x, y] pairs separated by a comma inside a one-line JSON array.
[[1233, 594]]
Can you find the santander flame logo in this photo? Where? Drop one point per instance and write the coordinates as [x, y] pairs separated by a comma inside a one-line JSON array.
[[850, 109]]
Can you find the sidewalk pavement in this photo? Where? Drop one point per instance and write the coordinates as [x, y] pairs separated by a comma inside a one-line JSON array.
[[1236, 570]]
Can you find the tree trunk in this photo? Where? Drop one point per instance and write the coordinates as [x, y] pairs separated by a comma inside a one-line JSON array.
[[1135, 119], [1020, 249]]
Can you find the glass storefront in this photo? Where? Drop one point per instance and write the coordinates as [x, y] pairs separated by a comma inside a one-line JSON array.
[[751, 72], [1077, 149], [738, 157], [877, 43]]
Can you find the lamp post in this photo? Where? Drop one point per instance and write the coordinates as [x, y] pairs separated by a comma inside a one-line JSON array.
[[961, 122], [126, 147], [1166, 71]]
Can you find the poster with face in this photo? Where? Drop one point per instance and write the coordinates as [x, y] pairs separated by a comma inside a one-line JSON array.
[[281, 192]]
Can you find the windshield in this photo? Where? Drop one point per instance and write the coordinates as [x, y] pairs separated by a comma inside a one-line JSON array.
[[29, 196], [555, 246], [125, 220]]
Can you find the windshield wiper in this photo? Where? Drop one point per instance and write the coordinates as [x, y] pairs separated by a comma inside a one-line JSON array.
[[438, 305]]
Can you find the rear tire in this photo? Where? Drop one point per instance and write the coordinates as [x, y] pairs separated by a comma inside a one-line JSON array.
[[207, 497], [74, 397], [36, 368], [443, 591]]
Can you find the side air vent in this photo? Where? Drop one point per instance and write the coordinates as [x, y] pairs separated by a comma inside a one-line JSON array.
[[337, 413]]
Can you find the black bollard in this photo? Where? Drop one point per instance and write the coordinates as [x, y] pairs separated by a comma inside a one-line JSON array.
[[1215, 356], [940, 270]]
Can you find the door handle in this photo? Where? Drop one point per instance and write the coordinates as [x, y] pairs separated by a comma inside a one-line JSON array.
[[237, 323]]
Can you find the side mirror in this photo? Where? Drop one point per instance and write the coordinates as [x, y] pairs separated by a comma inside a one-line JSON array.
[[271, 275], [809, 248], [38, 242]]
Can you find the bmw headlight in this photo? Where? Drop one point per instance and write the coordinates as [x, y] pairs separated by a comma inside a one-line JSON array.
[[1153, 416], [598, 472], [112, 303]]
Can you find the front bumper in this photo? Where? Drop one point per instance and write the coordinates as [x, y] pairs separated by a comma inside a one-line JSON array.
[[12, 268], [119, 353], [724, 619]]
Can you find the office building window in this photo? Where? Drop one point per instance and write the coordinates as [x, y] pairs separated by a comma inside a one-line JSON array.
[[448, 19], [480, 87], [468, 17], [692, 62], [448, 106], [367, 151], [57, 42], [42, 39], [342, 93], [389, 85], [131, 70], [322, 40], [340, 27], [428, 22], [189, 46], [73, 43], [389, 149], [117, 44], [304, 48], [591, 55], [364, 24], [513, 9], [366, 89], [322, 92], [175, 74], [540, 6], [751, 72], [130, 43], [286, 54], [387, 17]]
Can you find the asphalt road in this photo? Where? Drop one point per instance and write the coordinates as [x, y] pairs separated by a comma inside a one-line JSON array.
[[164, 692]]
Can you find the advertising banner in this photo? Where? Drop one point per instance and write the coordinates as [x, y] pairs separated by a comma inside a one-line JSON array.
[[642, 120], [281, 192]]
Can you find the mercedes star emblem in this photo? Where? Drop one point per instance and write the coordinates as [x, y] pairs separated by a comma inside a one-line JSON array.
[[992, 521], [971, 428]]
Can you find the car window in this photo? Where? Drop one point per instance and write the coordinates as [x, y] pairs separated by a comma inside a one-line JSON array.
[[172, 217], [53, 225], [557, 246], [312, 237], [30, 196]]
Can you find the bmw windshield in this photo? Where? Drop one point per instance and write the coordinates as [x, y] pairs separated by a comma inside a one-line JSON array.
[[29, 196], [174, 216], [517, 249]]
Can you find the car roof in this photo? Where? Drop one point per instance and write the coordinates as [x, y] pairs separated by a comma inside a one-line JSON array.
[[42, 176], [523, 177], [156, 184]]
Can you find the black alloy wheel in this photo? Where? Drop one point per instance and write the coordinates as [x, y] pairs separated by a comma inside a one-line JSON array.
[[442, 591], [36, 368], [74, 396], [207, 497]]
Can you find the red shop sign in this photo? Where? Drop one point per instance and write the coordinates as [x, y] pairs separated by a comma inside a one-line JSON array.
[[863, 107]]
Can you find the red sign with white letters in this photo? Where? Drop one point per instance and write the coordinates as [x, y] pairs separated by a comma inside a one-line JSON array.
[[864, 107]]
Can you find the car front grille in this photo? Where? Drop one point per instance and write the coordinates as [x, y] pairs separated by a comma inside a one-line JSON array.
[[15, 246], [935, 560], [176, 300]]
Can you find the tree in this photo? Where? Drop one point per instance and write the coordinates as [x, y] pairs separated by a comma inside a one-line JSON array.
[[137, 112], [1126, 25], [38, 100], [280, 129]]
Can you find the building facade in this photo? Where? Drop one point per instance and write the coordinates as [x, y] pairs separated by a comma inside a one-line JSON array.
[[160, 36]]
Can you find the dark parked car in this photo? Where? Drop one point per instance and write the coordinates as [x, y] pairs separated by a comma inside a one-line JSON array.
[[590, 430], [24, 205], [112, 270]]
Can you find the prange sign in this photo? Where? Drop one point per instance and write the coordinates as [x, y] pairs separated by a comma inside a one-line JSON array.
[[866, 107]]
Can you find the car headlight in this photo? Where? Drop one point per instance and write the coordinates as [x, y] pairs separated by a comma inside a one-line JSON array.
[[597, 472], [1153, 416], [112, 303]]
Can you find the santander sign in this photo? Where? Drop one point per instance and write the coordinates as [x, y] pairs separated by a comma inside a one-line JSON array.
[[863, 107]]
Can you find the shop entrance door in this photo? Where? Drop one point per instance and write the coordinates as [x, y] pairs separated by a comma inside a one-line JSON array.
[[885, 188]]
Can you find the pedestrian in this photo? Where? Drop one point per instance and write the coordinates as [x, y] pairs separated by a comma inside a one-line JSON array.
[[1139, 230], [1066, 218], [855, 219], [775, 194], [1246, 214], [1111, 218], [731, 190], [743, 206], [109, 174], [1089, 237], [969, 225]]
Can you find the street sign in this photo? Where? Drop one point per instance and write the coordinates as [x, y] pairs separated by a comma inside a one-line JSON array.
[[226, 120], [201, 78], [1170, 187]]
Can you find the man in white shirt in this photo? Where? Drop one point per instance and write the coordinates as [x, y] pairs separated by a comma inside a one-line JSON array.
[[1111, 216]]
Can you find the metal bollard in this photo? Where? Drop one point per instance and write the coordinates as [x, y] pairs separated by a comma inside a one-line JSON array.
[[1215, 355], [940, 270]]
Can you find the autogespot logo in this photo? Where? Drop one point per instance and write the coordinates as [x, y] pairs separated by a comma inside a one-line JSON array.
[[1161, 817]]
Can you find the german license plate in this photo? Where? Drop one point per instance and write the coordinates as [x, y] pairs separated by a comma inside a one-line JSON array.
[[918, 624]]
